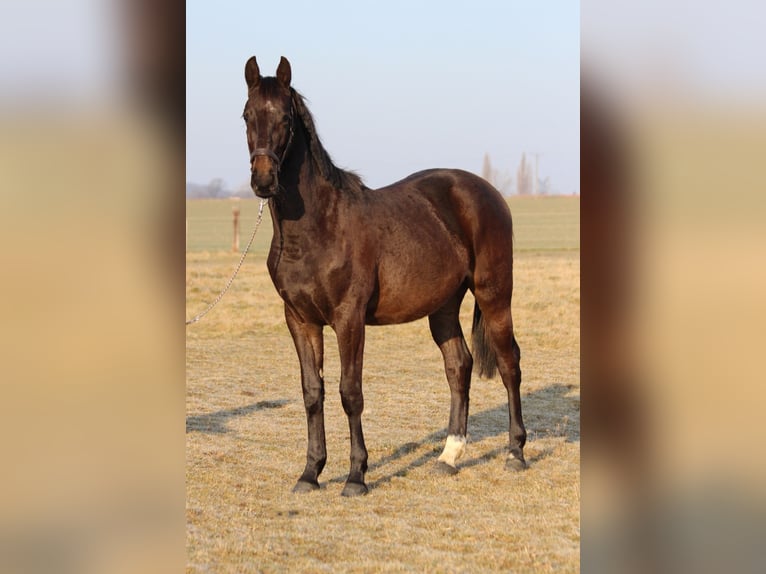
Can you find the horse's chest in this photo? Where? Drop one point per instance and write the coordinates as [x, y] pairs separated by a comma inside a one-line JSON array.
[[313, 288]]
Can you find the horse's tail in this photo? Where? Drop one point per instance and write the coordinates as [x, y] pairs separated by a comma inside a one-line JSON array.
[[483, 352]]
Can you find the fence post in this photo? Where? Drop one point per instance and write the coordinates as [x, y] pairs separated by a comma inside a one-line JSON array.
[[235, 241]]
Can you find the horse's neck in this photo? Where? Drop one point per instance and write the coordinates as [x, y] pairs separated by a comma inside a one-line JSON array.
[[304, 198]]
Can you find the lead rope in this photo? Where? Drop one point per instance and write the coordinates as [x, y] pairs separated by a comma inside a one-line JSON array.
[[241, 260]]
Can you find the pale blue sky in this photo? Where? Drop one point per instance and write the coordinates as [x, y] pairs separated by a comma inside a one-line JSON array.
[[394, 86]]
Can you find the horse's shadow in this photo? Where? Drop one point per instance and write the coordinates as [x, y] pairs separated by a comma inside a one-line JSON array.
[[541, 422], [215, 423], [487, 424]]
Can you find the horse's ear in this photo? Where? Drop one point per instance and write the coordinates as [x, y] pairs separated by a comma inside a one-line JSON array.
[[284, 74], [252, 73]]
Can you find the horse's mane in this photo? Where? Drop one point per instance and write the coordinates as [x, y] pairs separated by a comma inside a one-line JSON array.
[[339, 178]]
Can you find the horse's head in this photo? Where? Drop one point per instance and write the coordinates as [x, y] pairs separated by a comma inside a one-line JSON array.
[[269, 117]]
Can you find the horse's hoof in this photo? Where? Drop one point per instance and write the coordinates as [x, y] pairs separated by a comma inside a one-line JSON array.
[[354, 489], [304, 486], [443, 468], [514, 464]]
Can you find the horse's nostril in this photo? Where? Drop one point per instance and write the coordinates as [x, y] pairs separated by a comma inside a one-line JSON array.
[[264, 184]]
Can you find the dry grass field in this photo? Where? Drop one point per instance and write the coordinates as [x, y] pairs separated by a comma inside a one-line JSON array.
[[246, 428]]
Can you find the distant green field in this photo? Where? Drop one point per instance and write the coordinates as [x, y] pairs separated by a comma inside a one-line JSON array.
[[209, 225], [540, 224], [550, 223]]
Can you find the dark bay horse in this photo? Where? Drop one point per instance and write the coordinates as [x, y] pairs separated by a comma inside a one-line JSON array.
[[347, 256]]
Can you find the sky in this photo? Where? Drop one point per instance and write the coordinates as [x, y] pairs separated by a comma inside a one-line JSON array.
[[395, 86], [400, 86]]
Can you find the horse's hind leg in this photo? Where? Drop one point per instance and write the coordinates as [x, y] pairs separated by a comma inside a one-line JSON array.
[[446, 332], [496, 313]]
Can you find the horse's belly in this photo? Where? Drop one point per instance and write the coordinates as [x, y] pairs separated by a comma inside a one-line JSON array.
[[406, 294], [398, 315]]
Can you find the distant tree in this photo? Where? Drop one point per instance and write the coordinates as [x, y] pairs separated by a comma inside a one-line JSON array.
[[502, 182], [215, 188], [523, 177], [486, 169]]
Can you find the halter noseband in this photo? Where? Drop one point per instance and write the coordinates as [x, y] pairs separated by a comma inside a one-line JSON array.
[[270, 154], [264, 151]]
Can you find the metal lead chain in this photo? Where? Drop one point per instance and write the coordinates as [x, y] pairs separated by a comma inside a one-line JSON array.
[[241, 260]]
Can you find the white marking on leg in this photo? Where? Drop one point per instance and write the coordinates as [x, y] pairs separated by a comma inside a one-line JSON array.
[[453, 450]]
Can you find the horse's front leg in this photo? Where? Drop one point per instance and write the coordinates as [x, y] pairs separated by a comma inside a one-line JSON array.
[[350, 333], [310, 346]]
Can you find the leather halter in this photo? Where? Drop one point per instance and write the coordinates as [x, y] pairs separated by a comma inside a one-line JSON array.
[[270, 154], [264, 151]]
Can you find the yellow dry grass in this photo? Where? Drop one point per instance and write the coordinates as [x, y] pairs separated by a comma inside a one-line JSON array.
[[246, 439]]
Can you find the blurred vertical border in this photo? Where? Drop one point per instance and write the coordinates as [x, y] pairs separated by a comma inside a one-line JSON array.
[[673, 179], [92, 119]]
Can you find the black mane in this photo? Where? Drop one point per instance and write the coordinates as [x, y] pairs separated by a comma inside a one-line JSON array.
[[339, 178]]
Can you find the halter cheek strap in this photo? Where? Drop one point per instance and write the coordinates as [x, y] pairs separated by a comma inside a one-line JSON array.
[[270, 154]]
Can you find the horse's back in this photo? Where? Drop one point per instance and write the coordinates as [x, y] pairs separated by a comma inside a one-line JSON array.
[[468, 205]]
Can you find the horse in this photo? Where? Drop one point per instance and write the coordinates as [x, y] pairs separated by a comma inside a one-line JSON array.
[[346, 256]]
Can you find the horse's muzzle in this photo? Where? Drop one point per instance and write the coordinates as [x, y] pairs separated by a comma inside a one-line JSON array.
[[264, 186]]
